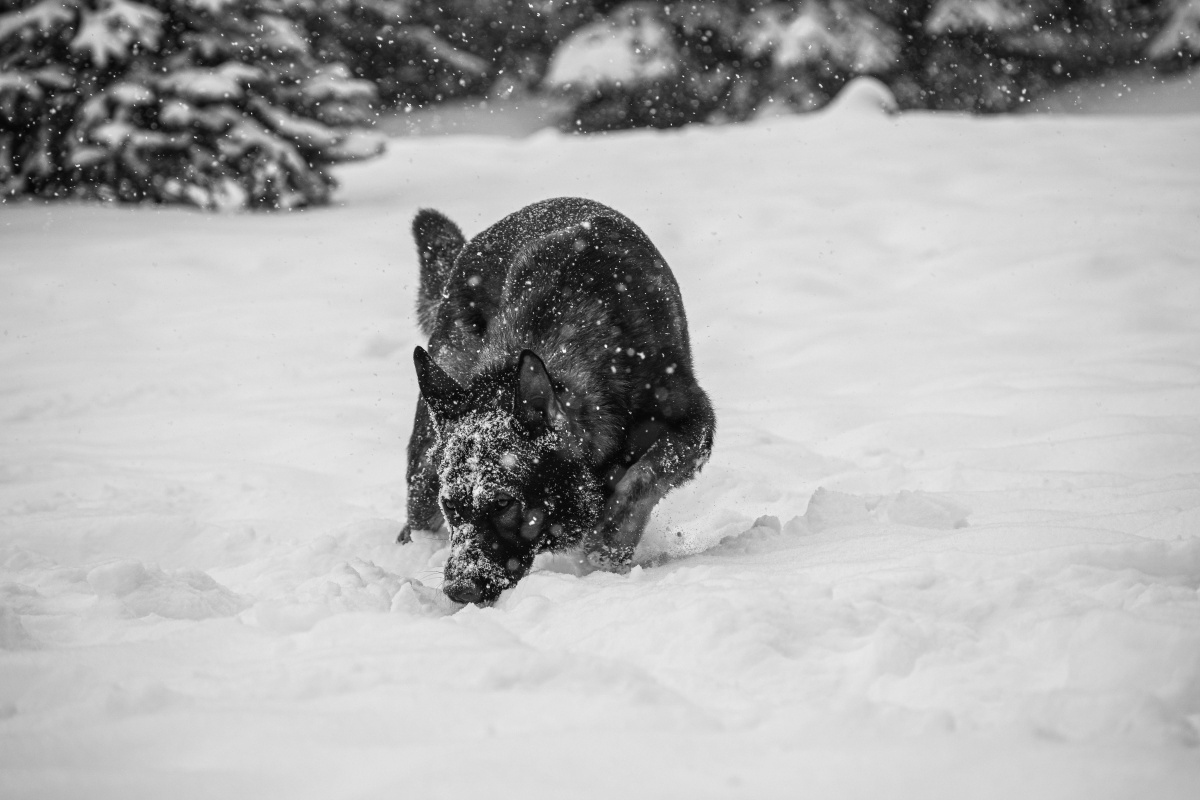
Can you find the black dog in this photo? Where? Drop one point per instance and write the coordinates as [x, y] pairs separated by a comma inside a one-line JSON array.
[[558, 403]]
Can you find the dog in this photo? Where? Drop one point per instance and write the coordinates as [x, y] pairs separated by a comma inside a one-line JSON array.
[[558, 402]]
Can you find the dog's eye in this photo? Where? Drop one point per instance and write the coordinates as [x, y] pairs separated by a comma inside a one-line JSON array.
[[505, 515], [453, 512]]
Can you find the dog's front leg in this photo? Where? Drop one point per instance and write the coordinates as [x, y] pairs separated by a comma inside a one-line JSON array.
[[423, 485], [674, 458]]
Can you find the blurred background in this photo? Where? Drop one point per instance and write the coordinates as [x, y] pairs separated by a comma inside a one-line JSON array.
[[246, 103]]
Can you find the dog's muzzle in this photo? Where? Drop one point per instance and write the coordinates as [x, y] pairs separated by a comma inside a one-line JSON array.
[[463, 591], [471, 576]]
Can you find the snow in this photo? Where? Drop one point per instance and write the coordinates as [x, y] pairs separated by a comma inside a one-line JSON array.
[[863, 96], [43, 17], [996, 16], [211, 85], [113, 31], [948, 544], [334, 83]]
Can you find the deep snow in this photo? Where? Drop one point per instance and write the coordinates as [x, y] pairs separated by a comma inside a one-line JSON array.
[[948, 544]]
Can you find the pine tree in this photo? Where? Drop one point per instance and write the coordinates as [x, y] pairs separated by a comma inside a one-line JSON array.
[[216, 103]]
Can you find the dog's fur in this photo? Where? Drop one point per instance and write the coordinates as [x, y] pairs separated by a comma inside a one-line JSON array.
[[558, 402]]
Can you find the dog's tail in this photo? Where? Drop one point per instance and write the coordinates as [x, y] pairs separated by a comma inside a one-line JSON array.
[[438, 243]]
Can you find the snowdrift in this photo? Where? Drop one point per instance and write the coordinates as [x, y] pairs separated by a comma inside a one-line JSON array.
[[948, 544]]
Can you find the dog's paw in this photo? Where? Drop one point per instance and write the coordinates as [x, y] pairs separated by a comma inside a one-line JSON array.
[[618, 559], [431, 527]]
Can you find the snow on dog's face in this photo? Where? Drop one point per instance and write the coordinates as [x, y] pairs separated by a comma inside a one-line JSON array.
[[486, 462], [510, 487]]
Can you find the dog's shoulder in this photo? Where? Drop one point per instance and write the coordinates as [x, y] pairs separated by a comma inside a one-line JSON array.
[[495, 248]]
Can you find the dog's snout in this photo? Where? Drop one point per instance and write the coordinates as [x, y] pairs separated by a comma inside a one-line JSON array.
[[463, 591]]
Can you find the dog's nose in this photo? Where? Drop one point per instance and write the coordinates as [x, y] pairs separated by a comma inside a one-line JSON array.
[[463, 592]]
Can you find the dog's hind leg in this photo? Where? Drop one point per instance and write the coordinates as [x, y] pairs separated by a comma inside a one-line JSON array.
[[423, 511], [676, 455]]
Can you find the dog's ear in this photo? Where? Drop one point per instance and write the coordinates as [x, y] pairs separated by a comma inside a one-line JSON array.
[[445, 398], [439, 242], [537, 404]]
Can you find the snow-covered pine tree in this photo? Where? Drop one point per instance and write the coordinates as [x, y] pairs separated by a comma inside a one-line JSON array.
[[1080, 37], [392, 44], [992, 55], [621, 71], [689, 60], [217, 103], [717, 83], [813, 47], [661, 66], [975, 55], [517, 37], [428, 51], [961, 64], [510, 36]]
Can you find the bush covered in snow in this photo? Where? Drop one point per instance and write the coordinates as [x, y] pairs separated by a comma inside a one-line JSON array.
[[210, 102]]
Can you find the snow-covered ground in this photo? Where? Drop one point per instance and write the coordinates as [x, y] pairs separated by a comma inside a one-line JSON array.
[[948, 545]]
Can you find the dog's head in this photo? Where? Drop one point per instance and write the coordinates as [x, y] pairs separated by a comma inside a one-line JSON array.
[[512, 484]]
